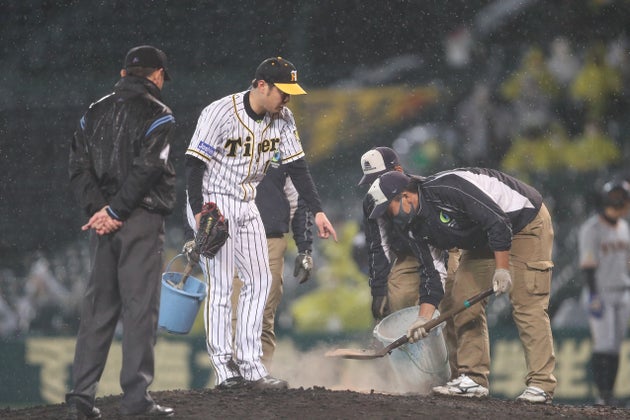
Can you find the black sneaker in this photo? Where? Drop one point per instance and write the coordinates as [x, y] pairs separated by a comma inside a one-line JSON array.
[[154, 410], [157, 410], [235, 382], [75, 412], [269, 382]]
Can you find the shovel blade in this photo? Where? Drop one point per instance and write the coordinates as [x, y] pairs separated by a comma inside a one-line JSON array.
[[357, 354]]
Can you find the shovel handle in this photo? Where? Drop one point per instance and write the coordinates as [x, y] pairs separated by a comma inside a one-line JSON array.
[[443, 317], [454, 311]]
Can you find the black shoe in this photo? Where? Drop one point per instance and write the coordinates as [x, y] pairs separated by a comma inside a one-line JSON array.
[[157, 410], [235, 382], [233, 367], [78, 411], [269, 382], [154, 410]]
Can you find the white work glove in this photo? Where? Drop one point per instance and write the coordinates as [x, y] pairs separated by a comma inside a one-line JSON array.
[[190, 250], [417, 331], [303, 266], [501, 281]]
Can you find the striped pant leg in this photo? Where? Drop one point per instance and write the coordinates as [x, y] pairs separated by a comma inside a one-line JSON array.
[[252, 262], [219, 273]]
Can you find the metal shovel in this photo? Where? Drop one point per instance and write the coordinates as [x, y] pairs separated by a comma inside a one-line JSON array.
[[367, 354]]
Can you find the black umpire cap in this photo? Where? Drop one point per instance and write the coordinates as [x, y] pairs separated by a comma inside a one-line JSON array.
[[147, 56]]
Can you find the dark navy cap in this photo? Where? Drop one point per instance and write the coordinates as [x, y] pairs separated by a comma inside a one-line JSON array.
[[384, 189]]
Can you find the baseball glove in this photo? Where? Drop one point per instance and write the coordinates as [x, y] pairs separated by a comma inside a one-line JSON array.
[[213, 231]]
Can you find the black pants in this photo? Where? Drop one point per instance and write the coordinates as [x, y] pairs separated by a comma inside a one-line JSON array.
[[124, 283]]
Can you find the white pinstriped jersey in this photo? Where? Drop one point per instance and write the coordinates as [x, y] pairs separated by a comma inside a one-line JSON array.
[[237, 149]]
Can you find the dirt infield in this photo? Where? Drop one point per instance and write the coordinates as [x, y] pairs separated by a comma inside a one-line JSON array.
[[328, 388], [321, 403]]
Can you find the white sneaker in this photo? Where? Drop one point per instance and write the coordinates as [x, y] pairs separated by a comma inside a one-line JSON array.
[[462, 386], [533, 394]]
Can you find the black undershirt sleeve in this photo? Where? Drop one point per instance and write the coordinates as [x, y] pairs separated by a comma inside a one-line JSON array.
[[195, 169], [301, 177]]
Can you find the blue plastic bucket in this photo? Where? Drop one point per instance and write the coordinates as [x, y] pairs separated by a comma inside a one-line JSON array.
[[418, 366], [179, 307]]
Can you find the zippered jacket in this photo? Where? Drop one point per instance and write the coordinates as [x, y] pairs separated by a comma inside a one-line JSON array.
[[120, 152]]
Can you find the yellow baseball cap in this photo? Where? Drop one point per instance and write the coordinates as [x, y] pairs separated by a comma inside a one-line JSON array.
[[281, 73]]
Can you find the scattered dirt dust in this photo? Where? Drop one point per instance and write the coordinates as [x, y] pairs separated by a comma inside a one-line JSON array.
[[328, 388]]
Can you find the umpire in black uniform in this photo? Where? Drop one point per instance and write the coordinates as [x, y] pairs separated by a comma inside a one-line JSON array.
[[123, 179]]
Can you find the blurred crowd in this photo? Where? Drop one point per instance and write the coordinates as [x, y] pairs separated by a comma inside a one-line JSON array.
[[562, 107], [46, 299]]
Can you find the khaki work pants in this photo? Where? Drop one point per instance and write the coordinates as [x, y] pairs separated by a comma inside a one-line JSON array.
[[530, 266], [403, 284], [447, 303], [403, 288]]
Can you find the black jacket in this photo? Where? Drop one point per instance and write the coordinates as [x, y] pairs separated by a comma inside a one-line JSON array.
[[472, 208], [468, 208], [275, 210], [120, 152], [385, 243]]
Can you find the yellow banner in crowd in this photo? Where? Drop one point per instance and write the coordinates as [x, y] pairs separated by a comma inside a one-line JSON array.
[[330, 117]]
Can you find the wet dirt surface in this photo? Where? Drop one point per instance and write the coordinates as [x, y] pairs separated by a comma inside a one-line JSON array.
[[322, 403]]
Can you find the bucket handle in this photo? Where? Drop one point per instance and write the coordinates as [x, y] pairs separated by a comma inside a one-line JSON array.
[[187, 271], [168, 266]]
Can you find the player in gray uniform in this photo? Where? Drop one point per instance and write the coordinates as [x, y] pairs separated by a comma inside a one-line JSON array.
[[604, 244], [236, 139]]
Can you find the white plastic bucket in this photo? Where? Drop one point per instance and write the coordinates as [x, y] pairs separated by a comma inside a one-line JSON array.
[[418, 366], [179, 307]]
